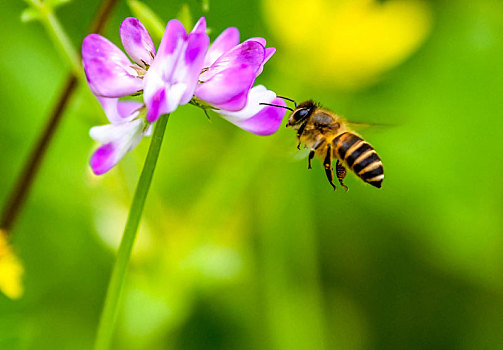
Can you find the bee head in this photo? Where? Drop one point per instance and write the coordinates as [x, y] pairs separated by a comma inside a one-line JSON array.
[[300, 114]]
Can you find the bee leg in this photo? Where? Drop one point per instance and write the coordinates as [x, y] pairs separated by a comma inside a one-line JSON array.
[[341, 174], [313, 150], [328, 167], [300, 132]]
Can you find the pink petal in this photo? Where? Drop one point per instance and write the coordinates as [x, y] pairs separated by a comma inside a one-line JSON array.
[[250, 53], [159, 77], [109, 79], [104, 158], [128, 109], [223, 43], [118, 139], [189, 66], [228, 89], [108, 69], [119, 111], [156, 105], [200, 26], [170, 48], [258, 39], [269, 52], [173, 76], [137, 42], [265, 122], [94, 45]]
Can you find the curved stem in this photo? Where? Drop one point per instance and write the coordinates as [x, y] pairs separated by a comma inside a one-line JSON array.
[[58, 35], [20, 190], [115, 287]]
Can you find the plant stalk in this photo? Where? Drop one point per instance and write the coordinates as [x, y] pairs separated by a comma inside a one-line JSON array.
[[116, 285]]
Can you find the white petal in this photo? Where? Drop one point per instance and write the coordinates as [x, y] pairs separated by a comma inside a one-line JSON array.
[[115, 132], [258, 94]]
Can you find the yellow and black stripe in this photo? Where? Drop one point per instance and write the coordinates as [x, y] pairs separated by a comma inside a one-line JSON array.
[[360, 157]]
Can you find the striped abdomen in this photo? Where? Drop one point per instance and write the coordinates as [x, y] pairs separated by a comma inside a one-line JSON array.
[[360, 157]]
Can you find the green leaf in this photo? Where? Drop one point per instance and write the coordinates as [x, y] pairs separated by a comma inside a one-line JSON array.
[[147, 16], [30, 14]]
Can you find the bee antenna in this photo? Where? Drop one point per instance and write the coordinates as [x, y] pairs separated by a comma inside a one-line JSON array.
[[288, 99], [270, 104]]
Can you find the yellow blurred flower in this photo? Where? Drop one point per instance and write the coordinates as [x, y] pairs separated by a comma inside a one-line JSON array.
[[11, 270], [348, 43]]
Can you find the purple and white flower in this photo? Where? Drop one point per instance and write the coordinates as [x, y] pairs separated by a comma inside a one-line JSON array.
[[126, 130], [108, 70], [230, 69], [167, 80], [173, 76], [229, 72], [182, 70], [257, 118]]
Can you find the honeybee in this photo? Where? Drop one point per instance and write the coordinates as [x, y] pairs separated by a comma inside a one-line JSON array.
[[328, 137]]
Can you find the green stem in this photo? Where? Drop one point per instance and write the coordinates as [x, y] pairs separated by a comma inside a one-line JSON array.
[[115, 287], [58, 35]]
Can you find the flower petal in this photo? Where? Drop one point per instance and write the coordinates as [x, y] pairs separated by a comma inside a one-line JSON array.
[[229, 89], [129, 110], [156, 105], [137, 42], [158, 79], [94, 45], [105, 158], [119, 139], [115, 132], [190, 64], [172, 45], [258, 39], [174, 74], [223, 43], [249, 53], [174, 95], [107, 68], [119, 111], [200, 26], [256, 118], [265, 122], [269, 52]]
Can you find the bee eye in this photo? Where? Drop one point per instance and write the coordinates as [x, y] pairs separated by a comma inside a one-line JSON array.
[[301, 114]]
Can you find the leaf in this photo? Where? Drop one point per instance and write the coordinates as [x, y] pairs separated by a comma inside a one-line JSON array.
[[149, 18], [30, 14]]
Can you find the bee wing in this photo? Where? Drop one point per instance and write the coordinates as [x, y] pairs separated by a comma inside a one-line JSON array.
[[299, 154], [363, 125]]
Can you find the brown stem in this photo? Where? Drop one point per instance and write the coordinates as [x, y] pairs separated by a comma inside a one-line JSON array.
[[22, 187]]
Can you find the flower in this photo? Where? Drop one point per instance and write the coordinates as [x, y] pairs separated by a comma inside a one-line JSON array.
[[126, 130], [11, 269], [167, 80], [231, 69], [226, 81], [108, 70], [257, 118], [173, 75]]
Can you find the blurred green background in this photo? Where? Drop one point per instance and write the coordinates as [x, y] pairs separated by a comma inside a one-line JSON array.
[[241, 247]]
